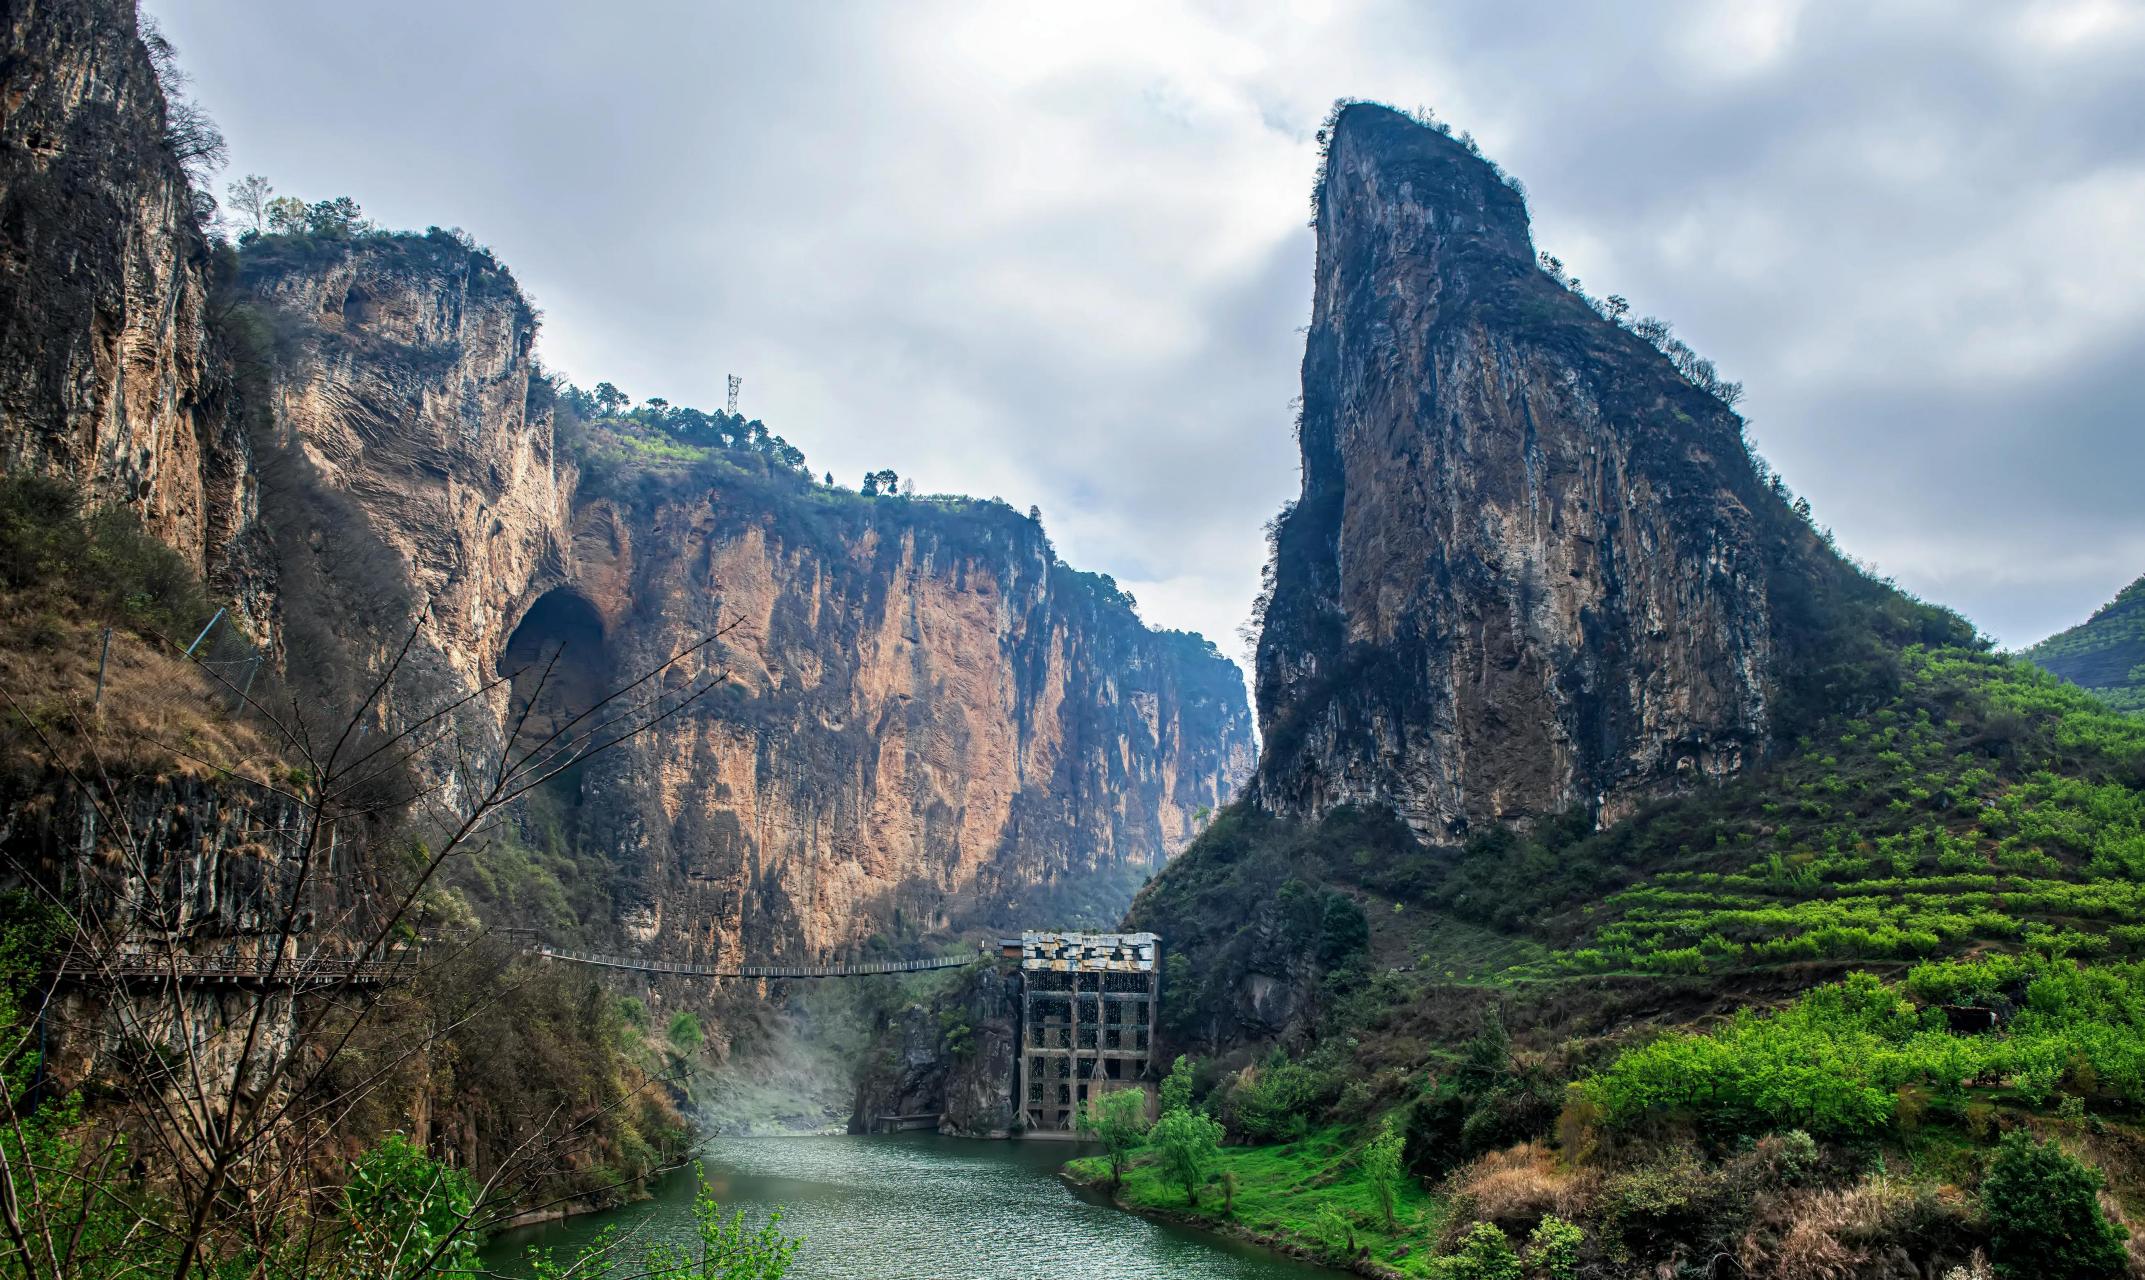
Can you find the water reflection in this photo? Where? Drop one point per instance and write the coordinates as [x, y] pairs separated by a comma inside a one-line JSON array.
[[922, 1207]]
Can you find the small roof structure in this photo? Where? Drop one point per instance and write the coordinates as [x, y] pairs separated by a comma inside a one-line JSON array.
[[1089, 952]]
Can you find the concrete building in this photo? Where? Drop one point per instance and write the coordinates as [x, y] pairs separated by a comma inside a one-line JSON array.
[[1087, 1017]]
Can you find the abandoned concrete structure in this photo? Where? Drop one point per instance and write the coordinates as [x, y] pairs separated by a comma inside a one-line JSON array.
[[1087, 1017]]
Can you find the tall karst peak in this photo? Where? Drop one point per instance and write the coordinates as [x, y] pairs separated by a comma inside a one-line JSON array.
[[1431, 193], [1533, 566]]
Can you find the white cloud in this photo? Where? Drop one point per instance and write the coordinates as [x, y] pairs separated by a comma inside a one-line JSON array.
[[1057, 253]]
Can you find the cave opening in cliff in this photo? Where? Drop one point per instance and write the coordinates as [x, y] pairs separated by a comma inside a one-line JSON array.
[[556, 661]]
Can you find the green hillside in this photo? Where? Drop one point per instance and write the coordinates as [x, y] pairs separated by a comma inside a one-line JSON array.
[[1635, 1007], [2105, 653]]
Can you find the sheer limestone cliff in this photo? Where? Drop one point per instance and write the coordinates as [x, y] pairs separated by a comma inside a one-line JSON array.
[[409, 457], [108, 373], [928, 721], [1532, 567]]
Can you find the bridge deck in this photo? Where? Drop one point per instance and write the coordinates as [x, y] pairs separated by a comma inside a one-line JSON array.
[[316, 970], [754, 970], [288, 971]]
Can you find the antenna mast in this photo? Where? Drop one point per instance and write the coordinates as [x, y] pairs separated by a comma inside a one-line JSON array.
[[735, 383]]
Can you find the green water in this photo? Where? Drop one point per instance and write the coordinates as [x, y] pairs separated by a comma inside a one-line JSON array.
[[922, 1207]]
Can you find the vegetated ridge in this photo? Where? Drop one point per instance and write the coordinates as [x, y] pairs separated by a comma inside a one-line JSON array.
[[1675, 894], [2105, 654]]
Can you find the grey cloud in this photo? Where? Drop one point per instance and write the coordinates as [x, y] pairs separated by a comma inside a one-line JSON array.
[[1066, 266]]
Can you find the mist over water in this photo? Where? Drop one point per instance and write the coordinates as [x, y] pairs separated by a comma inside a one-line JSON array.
[[922, 1207]]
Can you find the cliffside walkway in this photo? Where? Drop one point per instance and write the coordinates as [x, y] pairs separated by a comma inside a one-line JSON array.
[[862, 970], [315, 970], [310, 971]]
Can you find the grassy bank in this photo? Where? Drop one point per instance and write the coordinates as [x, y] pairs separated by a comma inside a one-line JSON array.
[[1309, 1197]]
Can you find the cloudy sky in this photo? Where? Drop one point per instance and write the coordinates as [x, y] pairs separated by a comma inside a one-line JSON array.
[[1057, 253]]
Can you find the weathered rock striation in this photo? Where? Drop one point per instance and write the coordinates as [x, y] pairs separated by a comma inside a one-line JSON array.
[[928, 720], [1532, 567], [409, 457], [948, 1065], [108, 371]]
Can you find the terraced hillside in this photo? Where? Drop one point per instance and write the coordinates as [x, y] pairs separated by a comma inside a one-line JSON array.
[[2105, 653]]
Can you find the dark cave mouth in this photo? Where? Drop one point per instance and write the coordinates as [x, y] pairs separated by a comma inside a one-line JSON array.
[[557, 660]]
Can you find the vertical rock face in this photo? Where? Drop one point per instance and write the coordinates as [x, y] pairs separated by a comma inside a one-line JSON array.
[[928, 720], [107, 373], [416, 470], [1531, 566]]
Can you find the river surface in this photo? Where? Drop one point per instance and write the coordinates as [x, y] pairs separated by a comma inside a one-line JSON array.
[[922, 1207]]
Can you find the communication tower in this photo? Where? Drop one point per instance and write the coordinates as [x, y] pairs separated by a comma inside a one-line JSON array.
[[735, 383]]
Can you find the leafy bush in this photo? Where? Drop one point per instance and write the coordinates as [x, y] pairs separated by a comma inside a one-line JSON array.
[[2044, 1215], [1275, 1100], [407, 1214], [1553, 1248], [1484, 1254]]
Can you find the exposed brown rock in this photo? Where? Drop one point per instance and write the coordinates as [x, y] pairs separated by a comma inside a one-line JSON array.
[[108, 373], [1532, 567]]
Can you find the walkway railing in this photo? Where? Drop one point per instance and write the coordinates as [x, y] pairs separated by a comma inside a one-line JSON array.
[[288, 971], [317, 970], [753, 970]]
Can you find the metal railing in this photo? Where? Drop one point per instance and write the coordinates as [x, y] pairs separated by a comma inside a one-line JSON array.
[[317, 969], [314, 970], [857, 970]]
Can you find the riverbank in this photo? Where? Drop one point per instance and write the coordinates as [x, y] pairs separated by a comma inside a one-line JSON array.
[[919, 1207], [1306, 1199]]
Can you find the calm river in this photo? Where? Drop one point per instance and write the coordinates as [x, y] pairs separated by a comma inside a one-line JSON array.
[[922, 1207]]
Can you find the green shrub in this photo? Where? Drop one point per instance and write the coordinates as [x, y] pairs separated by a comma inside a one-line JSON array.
[[1274, 1101], [2044, 1215], [1484, 1254], [685, 1031], [1553, 1248], [407, 1214]]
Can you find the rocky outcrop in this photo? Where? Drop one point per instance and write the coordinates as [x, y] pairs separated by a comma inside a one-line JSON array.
[[412, 467], [108, 372], [1532, 567], [927, 720], [948, 1064]]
